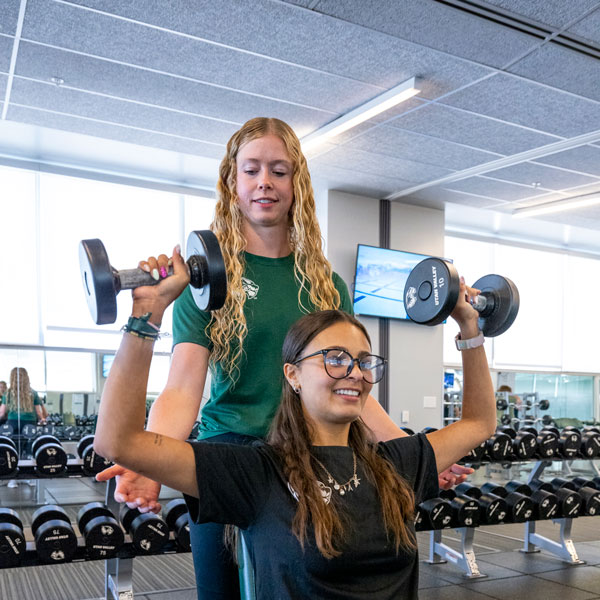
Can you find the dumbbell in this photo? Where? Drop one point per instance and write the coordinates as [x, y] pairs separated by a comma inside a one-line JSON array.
[[569, 501], [465, 510], [519, 505], [102, 533], [50, 457], [569, 442], [493, 509], [177, 517], [55, 540], [590, 443], [524, 444], [30, 431], [476, 455], [92, 463], [9, 457], [499, 447], [149, 533], [12, 540], [102, 283], [6, 430], [590, 495], [547, 443], [434, 513], [545, 503], [432, 289], [542, 404]]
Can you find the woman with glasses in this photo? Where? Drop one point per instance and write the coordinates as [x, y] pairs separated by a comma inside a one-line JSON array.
[[326, 511], [266, 224]]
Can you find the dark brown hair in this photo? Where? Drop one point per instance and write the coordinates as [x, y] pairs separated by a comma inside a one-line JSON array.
[[291, 435]]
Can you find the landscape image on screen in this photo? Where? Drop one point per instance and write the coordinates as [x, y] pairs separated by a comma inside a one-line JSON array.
[[379, 282]]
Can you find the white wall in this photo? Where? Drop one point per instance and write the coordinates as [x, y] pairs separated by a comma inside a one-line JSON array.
[[416, 368]]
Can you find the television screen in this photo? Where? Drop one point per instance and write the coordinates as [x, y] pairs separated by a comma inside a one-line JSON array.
[[107, 361], [379, 281]]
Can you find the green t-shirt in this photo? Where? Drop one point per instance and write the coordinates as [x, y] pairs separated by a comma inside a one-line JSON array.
[[248, 405], [24, 416]]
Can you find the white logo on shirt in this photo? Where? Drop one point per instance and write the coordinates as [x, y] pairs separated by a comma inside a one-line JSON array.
[[325, 492], [250, 288]]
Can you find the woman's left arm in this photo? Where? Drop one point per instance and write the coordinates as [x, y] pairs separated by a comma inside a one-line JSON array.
[[478, 421]]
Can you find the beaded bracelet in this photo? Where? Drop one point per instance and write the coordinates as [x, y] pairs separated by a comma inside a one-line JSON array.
[[142, 328]]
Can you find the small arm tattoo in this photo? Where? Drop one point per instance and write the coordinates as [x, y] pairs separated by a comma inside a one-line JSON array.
[[158, 439]]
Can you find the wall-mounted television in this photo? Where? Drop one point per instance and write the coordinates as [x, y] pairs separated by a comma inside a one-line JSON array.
[[379, 281]]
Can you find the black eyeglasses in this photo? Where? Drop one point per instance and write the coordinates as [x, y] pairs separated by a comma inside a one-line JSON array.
[[339, 364]]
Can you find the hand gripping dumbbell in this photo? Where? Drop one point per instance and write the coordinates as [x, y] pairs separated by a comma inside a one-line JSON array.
[[9, 457], [102, 533], [465, 510], [432, 289], [177, 517], [55, 540], [434, 513], [102, 283], [524, 444], [92, 463], [12, 540], [149, 533], [493, 509], [50, 457], [520, 506]]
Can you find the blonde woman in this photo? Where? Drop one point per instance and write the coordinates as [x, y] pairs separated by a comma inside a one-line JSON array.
[[266, 224]]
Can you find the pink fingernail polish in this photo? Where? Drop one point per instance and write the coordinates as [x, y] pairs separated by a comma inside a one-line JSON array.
[[163, 272]]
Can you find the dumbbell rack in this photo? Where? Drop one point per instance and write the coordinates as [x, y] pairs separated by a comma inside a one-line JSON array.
[[440, 553], [564, 550]]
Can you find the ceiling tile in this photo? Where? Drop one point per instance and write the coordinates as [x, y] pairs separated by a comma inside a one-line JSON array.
[[562, 68], [588, 28], [554, 13], [548, 178], [103, 36], [529, 104], [585, 159], [3, 80], [470, 129], [441, 194], [6, 47], [464, 35], [368, 55], [9, 16], [85, 73], [116, 132], [63, 100], [490, 188], [378, 164], [348, 180], [397, 143]]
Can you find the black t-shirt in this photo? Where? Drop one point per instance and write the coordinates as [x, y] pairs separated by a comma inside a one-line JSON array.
[[244, 485]]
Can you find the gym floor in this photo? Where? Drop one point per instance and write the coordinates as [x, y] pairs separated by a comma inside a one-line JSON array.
[[510, 573]]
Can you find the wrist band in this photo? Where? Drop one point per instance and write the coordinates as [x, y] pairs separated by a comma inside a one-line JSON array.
[[474, 342], [142, 328]]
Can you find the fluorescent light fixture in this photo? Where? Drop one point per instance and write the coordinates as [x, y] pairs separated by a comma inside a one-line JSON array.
[[557, 206], [367, 111]]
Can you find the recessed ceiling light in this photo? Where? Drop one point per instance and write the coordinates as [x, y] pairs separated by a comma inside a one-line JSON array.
[[557, 206], [57, 81]]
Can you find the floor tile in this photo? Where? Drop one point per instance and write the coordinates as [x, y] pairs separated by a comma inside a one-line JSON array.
[[582, 577]]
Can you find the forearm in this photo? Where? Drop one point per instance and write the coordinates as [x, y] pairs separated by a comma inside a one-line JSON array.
[[380, 422], [123, 405]]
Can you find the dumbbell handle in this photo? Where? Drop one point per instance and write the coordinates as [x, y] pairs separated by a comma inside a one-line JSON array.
[[483, 303], [128, 279]]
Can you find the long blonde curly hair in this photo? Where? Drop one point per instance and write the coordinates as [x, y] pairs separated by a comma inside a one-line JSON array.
[[20, 395], [227, 328]]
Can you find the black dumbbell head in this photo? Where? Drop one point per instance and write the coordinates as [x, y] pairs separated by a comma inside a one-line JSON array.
[[173, 510], [9, 459], [518, 486], [465, 512], [55, 540], [545, 505], [437, 513], [468, 489], [502, 304], [50, 512], [590, 501], [149, 533], [569, 502], [12, 540], [493, 509], [102, 533], [90, 511], [50, 459], [84, 442]]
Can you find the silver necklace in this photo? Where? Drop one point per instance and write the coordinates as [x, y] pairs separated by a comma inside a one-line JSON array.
[[342, 488]]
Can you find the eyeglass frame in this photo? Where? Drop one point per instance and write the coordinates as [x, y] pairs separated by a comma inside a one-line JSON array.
[[350, 366]]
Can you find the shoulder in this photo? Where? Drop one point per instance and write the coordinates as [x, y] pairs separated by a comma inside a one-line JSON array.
[[342, 288]]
